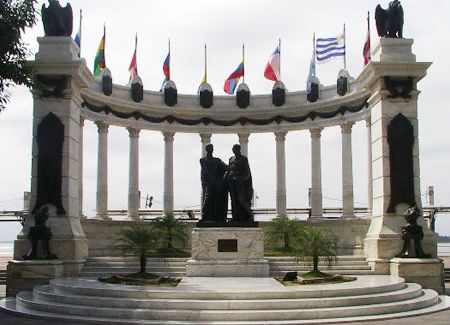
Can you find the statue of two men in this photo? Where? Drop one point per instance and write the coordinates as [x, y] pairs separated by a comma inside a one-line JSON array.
[[218, 179]]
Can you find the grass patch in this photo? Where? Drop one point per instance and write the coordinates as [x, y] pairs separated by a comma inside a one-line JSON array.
[[281, 251], [317, 277], [140, 278]]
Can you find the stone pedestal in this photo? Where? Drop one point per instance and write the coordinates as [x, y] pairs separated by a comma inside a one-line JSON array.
[[227, 252], [24, 275], [428, 272]]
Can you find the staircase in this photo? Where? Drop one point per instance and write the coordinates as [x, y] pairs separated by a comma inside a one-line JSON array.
[[226, 301], [447, 274], [2, 277]]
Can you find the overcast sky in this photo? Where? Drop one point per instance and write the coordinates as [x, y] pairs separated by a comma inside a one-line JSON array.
[[224, 26]]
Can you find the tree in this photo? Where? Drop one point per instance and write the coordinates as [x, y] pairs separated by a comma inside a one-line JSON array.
[[139, 240], [171, 228], [315, 244], [283, 228], [15, 16]]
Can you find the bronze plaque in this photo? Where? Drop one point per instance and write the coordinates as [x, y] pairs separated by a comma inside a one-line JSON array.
[[227, 245]]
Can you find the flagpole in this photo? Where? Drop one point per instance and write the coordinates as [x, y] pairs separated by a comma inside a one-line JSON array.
[[279, 50], [345, 51], [243, 62], [206, 65], [104, 45], [314, 51], [368, 31]]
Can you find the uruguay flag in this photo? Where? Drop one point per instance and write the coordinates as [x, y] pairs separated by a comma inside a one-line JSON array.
[[233, 79], [330, 48], [272, 70]]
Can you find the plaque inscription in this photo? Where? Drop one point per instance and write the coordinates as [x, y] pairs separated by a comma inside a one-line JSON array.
[[227, 245]]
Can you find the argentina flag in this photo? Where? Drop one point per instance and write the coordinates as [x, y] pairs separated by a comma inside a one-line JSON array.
[[330, 48]]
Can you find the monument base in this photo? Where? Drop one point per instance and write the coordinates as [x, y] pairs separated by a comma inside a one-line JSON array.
[[227, 252], [24, 275], [428, 272]]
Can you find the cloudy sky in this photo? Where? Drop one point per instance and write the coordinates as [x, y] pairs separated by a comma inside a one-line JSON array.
[[224, 26]]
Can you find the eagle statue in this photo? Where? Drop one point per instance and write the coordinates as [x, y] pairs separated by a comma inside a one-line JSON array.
[[390, 21], [58, 21]]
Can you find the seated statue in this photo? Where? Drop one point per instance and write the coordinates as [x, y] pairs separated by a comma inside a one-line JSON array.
[[40, 232]]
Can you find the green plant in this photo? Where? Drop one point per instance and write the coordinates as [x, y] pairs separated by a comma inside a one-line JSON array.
[[139, 240], [315, 244], [171, 228], [283, 228]]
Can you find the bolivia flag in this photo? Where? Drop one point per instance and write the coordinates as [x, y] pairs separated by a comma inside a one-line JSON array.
[[99, 61], [233, 79], [272, 70]]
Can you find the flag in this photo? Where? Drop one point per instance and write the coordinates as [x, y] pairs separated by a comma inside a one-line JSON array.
[[312, 73], [330, 48], [166, 67], [272, 70], [366, 49], [132, 69], [233, 79], [99, 61], [77, 38]]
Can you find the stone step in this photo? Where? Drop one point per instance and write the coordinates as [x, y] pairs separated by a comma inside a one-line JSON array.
[[294, 267], [46, 293], [135, 268], [281, 274], [226, 301], [25, 300], [341, 257], [301, 263], [97, 275]]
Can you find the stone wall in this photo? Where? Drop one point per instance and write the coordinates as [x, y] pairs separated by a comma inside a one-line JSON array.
[[102, 235]]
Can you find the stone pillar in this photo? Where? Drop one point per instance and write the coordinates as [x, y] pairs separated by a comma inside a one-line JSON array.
[[102, 171], [393, 62], [347, 171], [168, 172], [316, 174], [57, 60], [243, 141], [205, 139], [80, 143], [134, 198], [280, 138], [369, 165]]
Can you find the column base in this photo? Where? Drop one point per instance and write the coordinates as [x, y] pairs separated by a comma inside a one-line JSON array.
[[24, 275], [428, 272]]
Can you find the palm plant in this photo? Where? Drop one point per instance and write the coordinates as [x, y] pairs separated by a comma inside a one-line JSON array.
[[316, 244], [283, 228], [171, 228], [139, 241]]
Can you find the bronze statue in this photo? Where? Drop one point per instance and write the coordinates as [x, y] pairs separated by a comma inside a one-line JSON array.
[[215, 196], [240, 186], [40, 232], [412, 231], [58, 21], [390, 21]]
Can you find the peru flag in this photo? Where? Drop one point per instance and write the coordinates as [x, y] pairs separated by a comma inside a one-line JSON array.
[[272, 70]]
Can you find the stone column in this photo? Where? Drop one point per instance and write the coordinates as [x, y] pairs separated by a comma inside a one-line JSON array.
[[168, 172], [80, 165], [393, 62], [369, 166], [347, 171], [243, 141], [102, 171], [316, 173], [280, 138], [205, 139], [134, 198]]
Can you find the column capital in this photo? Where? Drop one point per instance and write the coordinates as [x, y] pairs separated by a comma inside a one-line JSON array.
[[347, 127], [102, 126], [168, 136], [243, 137], [134, 133], [316, 132], [368, 121], [280, 136], [82, 119], [205, 137]]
